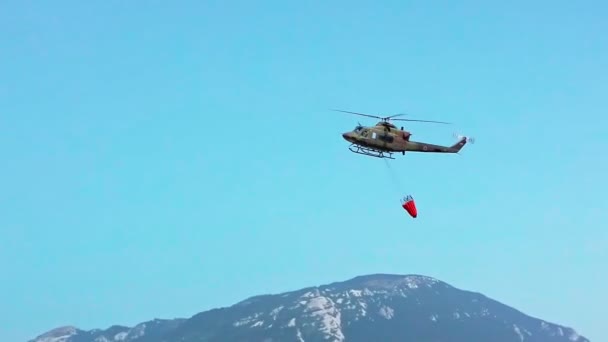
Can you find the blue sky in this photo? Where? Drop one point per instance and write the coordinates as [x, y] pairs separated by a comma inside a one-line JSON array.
[[164, 158]]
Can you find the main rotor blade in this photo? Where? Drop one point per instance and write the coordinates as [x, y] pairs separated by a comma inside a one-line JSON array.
[[447, 123], [394, 116], [344, 111], [389, 117]]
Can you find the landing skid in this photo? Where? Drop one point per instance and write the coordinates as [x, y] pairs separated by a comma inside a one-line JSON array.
[[370, 152]]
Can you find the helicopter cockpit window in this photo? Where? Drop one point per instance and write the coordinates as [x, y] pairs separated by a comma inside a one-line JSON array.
[[358, 129]]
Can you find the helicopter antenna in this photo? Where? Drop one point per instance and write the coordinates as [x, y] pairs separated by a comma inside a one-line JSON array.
[[389, 118]]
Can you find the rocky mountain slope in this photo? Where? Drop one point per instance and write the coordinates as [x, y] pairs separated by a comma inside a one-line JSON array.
[[369, 308]]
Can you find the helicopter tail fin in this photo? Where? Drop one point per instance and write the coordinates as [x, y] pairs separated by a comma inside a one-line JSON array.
[[460, 144]]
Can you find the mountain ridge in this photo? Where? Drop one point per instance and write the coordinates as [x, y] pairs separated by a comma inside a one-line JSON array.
[[372, 307]]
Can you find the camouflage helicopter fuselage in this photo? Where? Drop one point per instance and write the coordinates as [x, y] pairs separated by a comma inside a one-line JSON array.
[[384, 138]]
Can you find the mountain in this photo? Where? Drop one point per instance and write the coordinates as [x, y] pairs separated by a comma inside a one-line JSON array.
[[146, 331], [371, 308]]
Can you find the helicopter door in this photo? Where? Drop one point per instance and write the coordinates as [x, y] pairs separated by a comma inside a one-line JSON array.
[[386, 138]]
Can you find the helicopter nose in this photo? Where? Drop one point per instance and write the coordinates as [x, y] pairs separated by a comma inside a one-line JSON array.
[[347, 136]]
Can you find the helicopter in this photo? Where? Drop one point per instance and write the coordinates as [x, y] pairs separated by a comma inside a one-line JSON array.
[[384, 139]]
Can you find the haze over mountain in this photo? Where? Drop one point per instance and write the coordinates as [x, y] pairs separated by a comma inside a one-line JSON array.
[[379, 307]]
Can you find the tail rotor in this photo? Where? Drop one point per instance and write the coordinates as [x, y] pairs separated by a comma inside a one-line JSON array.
[[468, 139]]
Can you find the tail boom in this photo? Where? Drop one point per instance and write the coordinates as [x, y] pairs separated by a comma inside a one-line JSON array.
[[414, 146]]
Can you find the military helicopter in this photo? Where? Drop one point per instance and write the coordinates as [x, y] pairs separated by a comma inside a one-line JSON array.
[[384, 139]]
